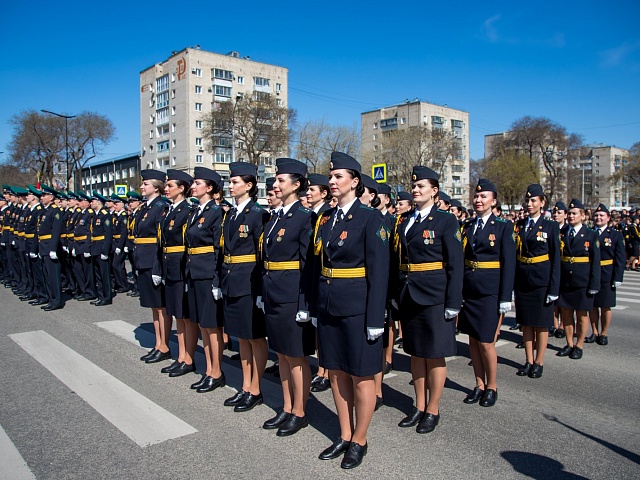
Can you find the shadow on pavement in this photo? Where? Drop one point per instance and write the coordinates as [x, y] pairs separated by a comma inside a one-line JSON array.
[[538, 466]]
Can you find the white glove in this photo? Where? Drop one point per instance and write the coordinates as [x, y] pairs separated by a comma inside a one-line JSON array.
[[87, 255], [616, 284], [314, 321], [73, 252], [13, 242], [104, 257], [53, 255], [302, 316], [260, 303], [186, 288], [126, 249], [33, 255], [2, 244], [118, 251], [394, 304], [66, 249], [551, 298], [450, 313], [217, 293], [156, 279], [592, 292], [504, 307], [373, 333]]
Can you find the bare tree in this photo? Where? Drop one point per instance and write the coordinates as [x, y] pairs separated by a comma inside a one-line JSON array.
[[256, 123], [317, 139], [629, 173], [511, 172]]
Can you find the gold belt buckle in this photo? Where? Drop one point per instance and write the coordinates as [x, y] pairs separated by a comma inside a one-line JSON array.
[[330, 272], [529, 260], [571, 259], [474, 265]]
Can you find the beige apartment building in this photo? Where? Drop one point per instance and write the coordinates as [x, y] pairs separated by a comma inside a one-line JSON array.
[[177, 93], [377, 124]]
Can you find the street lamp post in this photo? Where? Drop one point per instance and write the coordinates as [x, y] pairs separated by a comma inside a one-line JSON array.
[[66, 138]]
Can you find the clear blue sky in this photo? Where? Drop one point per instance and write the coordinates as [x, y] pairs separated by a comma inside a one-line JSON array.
[[577, 63]]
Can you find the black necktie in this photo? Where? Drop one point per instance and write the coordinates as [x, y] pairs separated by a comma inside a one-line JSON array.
[[572, 233], [476, 233], [339, 217], [530, 227]]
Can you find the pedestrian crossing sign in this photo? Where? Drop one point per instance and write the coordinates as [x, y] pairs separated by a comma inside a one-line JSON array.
[[379, 172], [121, 190]]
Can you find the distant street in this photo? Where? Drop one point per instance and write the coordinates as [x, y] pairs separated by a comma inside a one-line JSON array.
[[76, 403]]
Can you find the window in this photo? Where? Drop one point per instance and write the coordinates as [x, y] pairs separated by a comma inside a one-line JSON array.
[[173, 77], [199, 124], [117, 174], [173, 127], [222, 158], [403, 120], [221, 141], [223, 74], [198, 89], [198, 142], [162, 84], [132, 172], [240, 80], [197, 72], [198, 158], [375, 125], [151, 118], [124, 173], [375, 137], [173, 144], [162, 100], [163, 146], [278, 87], [261, 81], [198, 107], [104, 177], [111, 176], [150, 133], [173, 161], [278, 102], [162, 115], [268, 161], [173, 110], [162, 130], [221, 91], [261, 96], [173, 94], [437, 120], [389, 122]]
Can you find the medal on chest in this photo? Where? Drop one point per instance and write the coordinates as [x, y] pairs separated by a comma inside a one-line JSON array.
[[144, 217], [280, 235], [607, 242], [492, 239], [343, 236], [200, 222], [243, 231], [171, 224], [428, 236]]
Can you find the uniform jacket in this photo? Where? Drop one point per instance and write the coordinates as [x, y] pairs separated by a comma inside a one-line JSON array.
[[50, 223], [435, 239], [83, 229], [131, 222], [120, 221], [580, 275], [7, 232], [289, 239], [543, 240], [611, 248], [30, 229], [205, 230], [174, 226], [23, 213], [242, 237], [148, 222], [101, 226], [365, 243], [496, 242]]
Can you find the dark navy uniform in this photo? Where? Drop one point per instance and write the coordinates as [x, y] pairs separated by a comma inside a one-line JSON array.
[[35, 267], [240, 272], [82, 247], [130, 246], [287, 280], [352, 273], [428, 265], [488, 276], [580, 268], [147, 254], [537, 271], [612, 262], [120, 221], [101, 240], [50, 226]]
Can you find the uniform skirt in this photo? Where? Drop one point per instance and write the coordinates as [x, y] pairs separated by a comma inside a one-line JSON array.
[[286, 336], [343, 345], [606, 296], [531, 309], [150, 295], [176, 299], [425, 332], [576, 299], [203, 309], [479, 317], [242, 319]]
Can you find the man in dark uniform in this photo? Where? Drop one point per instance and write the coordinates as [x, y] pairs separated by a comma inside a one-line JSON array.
[[50, 228], [4, 206], [37, 289], [120, 223], [8, 238], [72, 261], [22, 255], [82, 249], [101, 240], [612, 260], [135, 200]]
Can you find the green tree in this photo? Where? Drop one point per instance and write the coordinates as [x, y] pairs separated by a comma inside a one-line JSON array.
[[511, 172]]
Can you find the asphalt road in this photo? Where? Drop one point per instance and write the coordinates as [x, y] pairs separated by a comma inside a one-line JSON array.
[[75, 403]]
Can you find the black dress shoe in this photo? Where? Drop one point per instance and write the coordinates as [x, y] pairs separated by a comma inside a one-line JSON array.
[[536, 371], [210, 384], [199, 383], [398, 341], [121, 290], [379, 403], [474, 396], [273, 368], [86, 298], [102, 303], [94, 302], [148, 354], [552, 331], [236, 399], [321, 385], [576, 353], [559, 333], [158, 357], [517, 326], [135, 294], [39, 302], [524, 371], [428, 423], [590, 339], [565, 352], [235, 356], [276, 421], [602, 340], [336, 449], [248, 402], [45, 306], [354, 456], [292, 425], [411, 382], [489, 398], [170, 367], [520, 345], [387, 368], [49, 308], [182, 369], [412, 419]]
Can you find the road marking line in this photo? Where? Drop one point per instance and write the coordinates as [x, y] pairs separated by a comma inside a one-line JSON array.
[[624, 299], [128, 332], [619, 307], [12, 465], [136, 416]]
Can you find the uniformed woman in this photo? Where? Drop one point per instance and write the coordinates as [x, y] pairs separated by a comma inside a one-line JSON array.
[[240, 282], [202, 274], [537, 280], [352, 260], [579, 278], [174, 258], [428, 265], [489, 267], [146, 252], [559, 215]]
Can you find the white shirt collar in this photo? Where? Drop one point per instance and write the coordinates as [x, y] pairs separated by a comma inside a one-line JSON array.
[[348, 206], [316, 210], [535, 219], [424, 213], [240, 207], [576, 229]]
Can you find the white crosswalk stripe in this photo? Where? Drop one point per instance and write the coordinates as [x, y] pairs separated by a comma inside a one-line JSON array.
[[12, 465], [142, 421]]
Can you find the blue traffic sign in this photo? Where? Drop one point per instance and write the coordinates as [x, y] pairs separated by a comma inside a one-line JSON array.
[[379, 172]]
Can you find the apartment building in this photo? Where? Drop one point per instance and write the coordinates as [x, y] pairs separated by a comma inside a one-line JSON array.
[[120, 175], [177, 93], [381, 123]]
